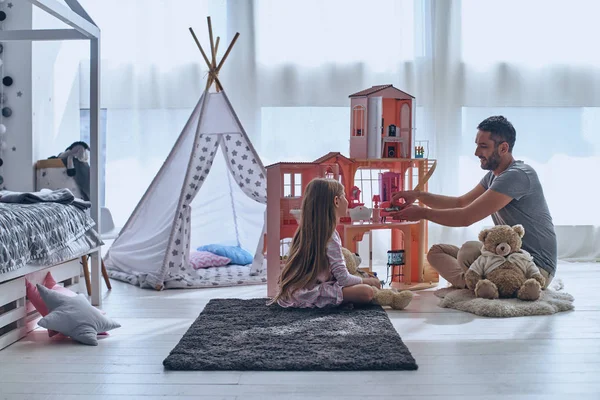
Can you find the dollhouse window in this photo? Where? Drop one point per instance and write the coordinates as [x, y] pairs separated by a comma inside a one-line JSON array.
[[297, 185], [405, 118], [358, 121], [292, 185], [287, 185]]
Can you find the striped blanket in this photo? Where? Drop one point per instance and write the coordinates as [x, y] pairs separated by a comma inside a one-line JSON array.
[[32, 233]]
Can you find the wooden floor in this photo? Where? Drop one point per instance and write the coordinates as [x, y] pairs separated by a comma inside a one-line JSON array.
[[460, 356]]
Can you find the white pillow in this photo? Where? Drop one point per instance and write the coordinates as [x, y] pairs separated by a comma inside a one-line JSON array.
[[74, 316]]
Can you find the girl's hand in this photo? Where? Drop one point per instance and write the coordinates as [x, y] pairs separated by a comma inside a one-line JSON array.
[[372, 282]]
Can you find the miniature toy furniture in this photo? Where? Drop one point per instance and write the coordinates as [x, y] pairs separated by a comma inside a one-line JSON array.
[[354, 199], [395, 265], [389, 183]]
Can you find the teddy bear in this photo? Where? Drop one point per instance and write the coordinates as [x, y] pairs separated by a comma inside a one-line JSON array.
[[504, 269], [383, 297]]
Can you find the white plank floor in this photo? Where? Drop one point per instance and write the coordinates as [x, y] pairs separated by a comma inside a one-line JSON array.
[[460, 355]]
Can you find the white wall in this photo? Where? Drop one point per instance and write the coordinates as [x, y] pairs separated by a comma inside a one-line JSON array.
[[17, 169]]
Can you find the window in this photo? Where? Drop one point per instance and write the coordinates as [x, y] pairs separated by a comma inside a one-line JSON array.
[[501, 31], [84, 126], [287, 185], [137, 143], [338, 32], [303, 133], [560, 143], [367, 180], [358, 121], [292, 185], [297, 185]]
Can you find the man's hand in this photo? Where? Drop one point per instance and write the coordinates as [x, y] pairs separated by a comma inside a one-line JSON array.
[[410, 213], [409, 197]]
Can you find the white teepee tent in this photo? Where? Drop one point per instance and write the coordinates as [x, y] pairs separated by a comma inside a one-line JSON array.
[[173, 217]]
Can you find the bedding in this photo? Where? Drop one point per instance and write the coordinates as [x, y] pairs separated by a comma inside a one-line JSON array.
[[214, 277], [236, 254], [43, 233], [61, 196]]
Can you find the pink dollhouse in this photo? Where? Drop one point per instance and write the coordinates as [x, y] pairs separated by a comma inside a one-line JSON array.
[[382, 121], [381, 137]]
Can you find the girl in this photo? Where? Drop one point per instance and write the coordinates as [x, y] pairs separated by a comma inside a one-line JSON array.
[[315, 274]]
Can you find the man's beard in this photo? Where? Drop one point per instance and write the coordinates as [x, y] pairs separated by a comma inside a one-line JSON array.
[[492, 162]]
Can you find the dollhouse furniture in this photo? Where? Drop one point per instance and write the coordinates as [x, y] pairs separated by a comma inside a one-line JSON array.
[[395, 265], [382, 123], [354, 199]]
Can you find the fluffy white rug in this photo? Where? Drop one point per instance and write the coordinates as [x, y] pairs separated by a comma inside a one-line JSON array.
[[552, 301]]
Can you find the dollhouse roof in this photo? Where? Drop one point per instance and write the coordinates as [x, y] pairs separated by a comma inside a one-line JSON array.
[[378, 88], [318, 161], [331, 155], [302, 163]]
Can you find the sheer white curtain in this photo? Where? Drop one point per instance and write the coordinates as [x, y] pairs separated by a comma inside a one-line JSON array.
[[296, 62], [464, 61], [532, 62], [152, 76], [308, 62]]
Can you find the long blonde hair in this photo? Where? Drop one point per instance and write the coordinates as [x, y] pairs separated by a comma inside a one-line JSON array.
[[308, 251]]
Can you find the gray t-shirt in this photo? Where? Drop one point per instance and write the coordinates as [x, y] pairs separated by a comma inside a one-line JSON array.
[[528, 208]]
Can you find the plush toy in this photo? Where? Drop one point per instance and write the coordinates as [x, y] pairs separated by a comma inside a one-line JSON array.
[[77, 150], [503, 269], [383, 297]]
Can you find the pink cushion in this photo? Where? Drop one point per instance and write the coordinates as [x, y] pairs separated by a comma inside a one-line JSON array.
[[34, 297], [206, 259]]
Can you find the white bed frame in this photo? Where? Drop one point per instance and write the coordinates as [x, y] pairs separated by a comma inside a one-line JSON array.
[[18, 317], [21, 318]]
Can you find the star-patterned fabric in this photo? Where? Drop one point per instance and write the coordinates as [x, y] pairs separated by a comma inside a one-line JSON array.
[[245, 167], [178, 252], [192, 201]]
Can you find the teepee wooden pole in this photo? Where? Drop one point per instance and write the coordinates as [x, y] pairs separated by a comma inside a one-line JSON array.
[[212, 42], [211, 72], [228, 50], [214, 64], [200, 47], [212, 49]]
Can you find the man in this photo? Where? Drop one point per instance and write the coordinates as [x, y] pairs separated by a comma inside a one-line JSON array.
[[510, 192]]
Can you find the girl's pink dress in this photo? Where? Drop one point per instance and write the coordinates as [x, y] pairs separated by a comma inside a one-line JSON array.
[[327, 291]]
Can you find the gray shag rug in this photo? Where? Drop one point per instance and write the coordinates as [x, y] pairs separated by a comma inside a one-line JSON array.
[[551, 302], [248, 335]]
